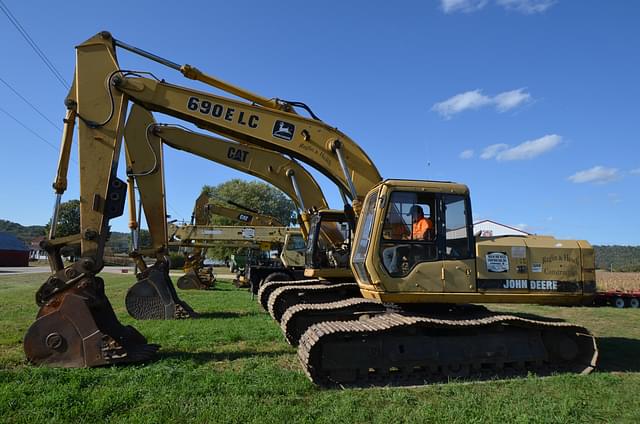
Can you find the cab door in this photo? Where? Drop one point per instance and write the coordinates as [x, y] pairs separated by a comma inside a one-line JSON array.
[[458, 267]]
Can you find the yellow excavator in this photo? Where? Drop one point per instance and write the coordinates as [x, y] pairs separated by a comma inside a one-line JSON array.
[[409, 330], [239, 261], [243, 215], [286, 174], [197, 276], [287, 241]]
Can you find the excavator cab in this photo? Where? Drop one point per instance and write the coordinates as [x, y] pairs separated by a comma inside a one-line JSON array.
[[416, 237], [329, 245], [395, 262], [294, 250]]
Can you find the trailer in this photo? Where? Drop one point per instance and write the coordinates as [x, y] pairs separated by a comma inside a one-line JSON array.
[[618, 298]]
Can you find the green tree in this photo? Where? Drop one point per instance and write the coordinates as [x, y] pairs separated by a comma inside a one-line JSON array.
[[68, 224]]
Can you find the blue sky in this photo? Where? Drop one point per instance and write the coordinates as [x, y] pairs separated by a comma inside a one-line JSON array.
[[531, 103]]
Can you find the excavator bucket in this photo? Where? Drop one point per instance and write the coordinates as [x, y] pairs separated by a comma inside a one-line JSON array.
[[190, 281], [193, 279], [154, 297], [77, 327]]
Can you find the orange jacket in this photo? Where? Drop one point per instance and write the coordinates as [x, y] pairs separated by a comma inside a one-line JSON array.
[[420, 227]]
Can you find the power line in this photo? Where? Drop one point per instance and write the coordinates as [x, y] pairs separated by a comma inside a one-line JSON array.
[[27, 128], [33, 44], [29, 103], [175, 211]]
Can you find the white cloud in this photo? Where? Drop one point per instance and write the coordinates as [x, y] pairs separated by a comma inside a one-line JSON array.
[[467, 6], [466, 154], [510, 99], [597, 174], [491, 151], [635, 171], [474, 99], [460, 102], [528, 7], [531, 148]]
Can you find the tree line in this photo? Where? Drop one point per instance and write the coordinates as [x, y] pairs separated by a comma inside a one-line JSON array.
[[618, 258]]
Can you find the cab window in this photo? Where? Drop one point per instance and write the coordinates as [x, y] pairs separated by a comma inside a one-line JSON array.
[[296, 242], [409, 233], [457, 232]]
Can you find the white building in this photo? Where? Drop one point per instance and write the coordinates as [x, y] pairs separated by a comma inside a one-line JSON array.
[[488, 228]]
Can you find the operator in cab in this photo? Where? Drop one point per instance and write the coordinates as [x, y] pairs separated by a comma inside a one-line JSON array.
[[421, 229], [420, 224]]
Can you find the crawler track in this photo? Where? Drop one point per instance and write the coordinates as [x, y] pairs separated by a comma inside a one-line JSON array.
[[284, 297], [268, 288], [395, 349], [298, 318]]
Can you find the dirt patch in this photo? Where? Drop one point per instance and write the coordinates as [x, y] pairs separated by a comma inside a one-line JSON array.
[[606, 280]]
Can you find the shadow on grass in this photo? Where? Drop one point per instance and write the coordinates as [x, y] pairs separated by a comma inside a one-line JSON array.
[[206, 357], [618, 354], [225, 315]]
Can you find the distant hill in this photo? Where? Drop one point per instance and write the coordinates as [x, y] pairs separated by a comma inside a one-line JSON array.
[[25, 234], [618, 258], [118, 242]]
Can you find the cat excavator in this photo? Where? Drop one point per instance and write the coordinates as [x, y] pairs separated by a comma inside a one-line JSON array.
[[243, 215], [286, 174], [410, 330], [197, 276], [263, 239]]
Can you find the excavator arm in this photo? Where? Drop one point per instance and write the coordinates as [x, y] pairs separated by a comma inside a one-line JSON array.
[[144, 134], [243, 216], [272, 167], [269, 123]]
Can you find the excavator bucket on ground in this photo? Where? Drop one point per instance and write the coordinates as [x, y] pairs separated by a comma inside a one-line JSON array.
[[77, 327], [154, 297], [194, 279]]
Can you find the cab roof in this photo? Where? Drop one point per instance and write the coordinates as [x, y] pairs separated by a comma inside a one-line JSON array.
[[428, 185]]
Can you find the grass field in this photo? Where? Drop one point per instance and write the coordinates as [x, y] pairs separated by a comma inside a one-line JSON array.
[[233, 365]]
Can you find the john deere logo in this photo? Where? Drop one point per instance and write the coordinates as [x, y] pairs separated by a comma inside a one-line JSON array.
[[283, 130]]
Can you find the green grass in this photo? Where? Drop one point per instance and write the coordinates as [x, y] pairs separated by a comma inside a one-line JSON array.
[[233, 365]]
